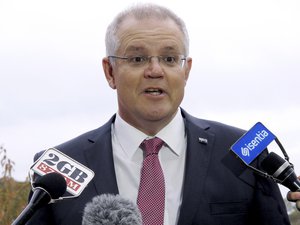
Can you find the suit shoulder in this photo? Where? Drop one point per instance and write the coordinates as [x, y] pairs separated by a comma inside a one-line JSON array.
[[81, 141], [213, 126], [222, 127], [73, 146]]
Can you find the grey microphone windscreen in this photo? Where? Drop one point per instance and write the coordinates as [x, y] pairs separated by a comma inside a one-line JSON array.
[[111, 209]]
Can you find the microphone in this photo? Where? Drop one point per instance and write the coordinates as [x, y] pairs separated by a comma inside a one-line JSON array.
[[46, 188], [77, 175], [111, 209], [252, 144], [282, 170]]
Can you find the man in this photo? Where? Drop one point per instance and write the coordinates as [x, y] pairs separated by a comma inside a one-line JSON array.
[[147, 64]]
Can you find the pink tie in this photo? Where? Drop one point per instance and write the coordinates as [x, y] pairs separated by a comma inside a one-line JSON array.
[[151, 196]]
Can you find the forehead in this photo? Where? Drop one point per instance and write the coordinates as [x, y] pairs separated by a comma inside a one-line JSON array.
[[149, 35]]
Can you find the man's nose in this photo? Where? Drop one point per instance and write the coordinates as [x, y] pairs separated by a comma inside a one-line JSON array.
[[154, 68]]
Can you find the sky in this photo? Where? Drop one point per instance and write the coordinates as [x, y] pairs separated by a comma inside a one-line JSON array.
[[246, 68]]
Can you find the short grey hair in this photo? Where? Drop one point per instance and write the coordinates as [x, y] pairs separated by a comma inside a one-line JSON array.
[[142, 11]]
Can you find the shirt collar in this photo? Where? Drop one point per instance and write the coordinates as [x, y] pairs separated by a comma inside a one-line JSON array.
[[174, 133], [130, 138]]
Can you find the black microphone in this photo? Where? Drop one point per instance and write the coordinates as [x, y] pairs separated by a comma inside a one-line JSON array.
[[111, 210], [46, 188], [282, 170], [251, 145]]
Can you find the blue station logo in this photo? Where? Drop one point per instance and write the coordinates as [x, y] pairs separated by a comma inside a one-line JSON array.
[[252, 143]]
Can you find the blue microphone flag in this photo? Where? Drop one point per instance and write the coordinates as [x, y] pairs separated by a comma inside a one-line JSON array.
[[252, 143]]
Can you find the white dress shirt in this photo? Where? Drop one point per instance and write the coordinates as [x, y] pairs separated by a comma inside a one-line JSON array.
[[128, 159]]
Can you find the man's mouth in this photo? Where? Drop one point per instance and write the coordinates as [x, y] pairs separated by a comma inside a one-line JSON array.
[[154, 91]]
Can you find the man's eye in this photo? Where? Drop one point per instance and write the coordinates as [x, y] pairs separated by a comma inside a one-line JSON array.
[[169, 59], [137, 59]]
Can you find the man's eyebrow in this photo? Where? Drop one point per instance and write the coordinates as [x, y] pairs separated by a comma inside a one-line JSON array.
[[134, 48], [172, 48], [142, 49]]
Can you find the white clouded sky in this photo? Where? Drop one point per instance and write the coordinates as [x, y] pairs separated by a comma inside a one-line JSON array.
[[246, 68]]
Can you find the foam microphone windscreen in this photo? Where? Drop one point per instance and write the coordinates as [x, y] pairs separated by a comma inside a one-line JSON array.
[[111, 210], [53, 183]]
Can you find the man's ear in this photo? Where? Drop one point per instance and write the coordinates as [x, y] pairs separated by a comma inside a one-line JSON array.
[[188, 67], [108, 71]]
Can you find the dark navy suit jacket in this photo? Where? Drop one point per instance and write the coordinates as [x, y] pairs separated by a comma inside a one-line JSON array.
[[218, 189]]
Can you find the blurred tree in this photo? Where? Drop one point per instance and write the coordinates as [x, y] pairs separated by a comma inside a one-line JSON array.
[[13, 194], [6, 163]]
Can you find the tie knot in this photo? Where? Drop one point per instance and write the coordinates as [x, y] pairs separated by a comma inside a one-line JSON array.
[[152, 146]]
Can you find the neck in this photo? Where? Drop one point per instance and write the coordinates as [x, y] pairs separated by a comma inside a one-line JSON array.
[[149, 127]]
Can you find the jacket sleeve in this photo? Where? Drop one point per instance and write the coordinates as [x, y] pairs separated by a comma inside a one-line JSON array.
[[268, 207]]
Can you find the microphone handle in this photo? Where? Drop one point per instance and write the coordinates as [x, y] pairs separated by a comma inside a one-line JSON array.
[[25, 215], [293, 183], [39, 198]]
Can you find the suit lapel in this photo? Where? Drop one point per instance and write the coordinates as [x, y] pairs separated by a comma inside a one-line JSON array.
[[200, 144], [100, 159]]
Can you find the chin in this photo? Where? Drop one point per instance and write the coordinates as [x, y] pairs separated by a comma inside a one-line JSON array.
[[157, 115]]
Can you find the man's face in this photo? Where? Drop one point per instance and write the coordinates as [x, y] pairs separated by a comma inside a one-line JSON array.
[[149, 95]]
